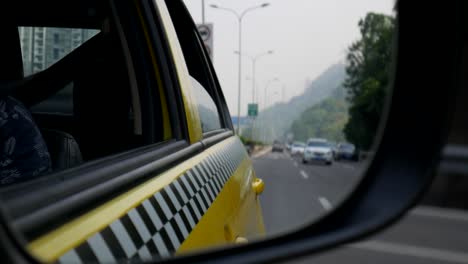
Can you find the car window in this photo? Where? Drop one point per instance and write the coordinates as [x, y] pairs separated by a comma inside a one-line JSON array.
[[41, 47], [318, 144], [207, 109], [347, 147], [198, 63], [80, 87]]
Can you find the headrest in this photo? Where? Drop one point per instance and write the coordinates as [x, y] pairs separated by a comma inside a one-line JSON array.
[[11, 62]]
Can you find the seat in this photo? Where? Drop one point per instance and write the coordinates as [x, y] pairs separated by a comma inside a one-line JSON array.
[[23, 152], [45, 149], [63, 148]]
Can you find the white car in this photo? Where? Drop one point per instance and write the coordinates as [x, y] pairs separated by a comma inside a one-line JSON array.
[[297, 148], [318, 150]]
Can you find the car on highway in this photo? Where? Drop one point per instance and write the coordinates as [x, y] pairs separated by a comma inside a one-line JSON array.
[[318, 149], [277, 146], [144, 162], [297, 148], [347, 151], [334, 148]]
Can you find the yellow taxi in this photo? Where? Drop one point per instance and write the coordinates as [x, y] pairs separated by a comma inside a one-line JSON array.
[[144, 160]]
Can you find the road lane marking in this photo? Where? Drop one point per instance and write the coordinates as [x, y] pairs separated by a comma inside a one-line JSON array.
[[304, 175], [325, 203], [451, 214], [413, 251], [261, 153]]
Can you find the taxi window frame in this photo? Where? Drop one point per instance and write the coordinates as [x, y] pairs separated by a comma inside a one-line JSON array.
[[151, 15], [191, 44]]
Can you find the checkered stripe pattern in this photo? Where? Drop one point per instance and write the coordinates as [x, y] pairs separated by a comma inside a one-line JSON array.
[[159, 225]]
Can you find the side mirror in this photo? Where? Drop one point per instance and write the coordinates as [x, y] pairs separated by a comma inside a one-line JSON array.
[[410, 140]]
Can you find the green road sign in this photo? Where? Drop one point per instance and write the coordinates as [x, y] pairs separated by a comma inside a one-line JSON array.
[[252, 110]]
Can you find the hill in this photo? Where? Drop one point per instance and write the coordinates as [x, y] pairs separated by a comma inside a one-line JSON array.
[[275, 121], [326, 119]]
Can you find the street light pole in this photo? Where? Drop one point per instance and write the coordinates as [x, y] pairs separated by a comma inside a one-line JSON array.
[[254, 60], [254, 63], [265, 92], [203, 11], [239, 80]]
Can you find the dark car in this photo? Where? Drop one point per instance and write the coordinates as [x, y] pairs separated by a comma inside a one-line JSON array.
[[277, 146], [334, 148], [346, 151]]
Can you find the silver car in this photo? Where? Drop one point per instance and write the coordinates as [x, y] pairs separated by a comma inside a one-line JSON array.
[[297, 148], [318, 150]]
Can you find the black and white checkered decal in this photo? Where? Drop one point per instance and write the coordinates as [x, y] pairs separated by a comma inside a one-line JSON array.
[[159, 225]]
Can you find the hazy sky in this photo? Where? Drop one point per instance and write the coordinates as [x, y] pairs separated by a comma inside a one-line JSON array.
[[307, 36]]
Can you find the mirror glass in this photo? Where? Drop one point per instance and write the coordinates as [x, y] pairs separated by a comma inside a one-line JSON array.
[[313, 81], [97, 165]]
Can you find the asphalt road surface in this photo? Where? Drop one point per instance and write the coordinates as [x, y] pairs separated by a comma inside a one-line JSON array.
[[296, 193]]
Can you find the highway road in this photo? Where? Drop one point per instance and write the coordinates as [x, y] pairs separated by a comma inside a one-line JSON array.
[[296, 193]]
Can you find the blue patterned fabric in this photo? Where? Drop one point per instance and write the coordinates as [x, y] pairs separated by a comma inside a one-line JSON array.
[[23, 151]]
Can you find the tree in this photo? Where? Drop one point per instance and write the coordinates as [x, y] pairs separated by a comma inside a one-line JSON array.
[[324, 120], [367, 69]]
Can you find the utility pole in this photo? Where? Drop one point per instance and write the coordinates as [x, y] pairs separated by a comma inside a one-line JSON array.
[[239, 17], [203, 11], [254, 63]]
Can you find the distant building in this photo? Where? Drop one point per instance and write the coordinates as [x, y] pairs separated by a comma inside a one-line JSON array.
[[42, 46]]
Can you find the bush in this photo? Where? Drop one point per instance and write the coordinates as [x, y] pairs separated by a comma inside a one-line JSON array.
[[247, 141]]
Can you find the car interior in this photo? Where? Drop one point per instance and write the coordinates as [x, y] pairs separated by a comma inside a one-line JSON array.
[[67, 98]]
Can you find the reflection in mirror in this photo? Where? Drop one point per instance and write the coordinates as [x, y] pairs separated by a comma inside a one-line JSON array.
[[208, 112], [314, 79], [96, 165]]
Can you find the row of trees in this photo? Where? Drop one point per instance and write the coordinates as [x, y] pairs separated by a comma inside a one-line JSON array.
[[355, 117], [367, 69]]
